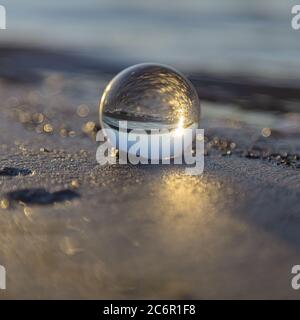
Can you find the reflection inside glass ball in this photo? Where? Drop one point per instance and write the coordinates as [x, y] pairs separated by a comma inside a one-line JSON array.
[[150, 97]]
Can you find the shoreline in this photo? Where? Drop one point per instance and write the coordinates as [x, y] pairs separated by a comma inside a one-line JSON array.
[[25, 65]]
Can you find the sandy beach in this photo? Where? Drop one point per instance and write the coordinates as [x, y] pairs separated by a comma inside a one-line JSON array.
[[85, 231]]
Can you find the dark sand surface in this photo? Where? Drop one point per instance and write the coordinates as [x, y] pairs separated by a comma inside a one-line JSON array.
[[71, 228]]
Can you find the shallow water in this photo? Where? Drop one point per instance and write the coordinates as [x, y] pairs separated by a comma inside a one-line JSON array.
[[233, 35]]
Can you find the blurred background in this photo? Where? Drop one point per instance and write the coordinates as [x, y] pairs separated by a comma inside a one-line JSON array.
[[252, 37]]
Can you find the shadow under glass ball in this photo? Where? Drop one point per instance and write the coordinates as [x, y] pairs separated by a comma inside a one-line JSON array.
[[150, 96]]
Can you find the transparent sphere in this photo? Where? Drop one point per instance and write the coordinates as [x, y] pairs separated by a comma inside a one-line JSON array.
[[150, 96]]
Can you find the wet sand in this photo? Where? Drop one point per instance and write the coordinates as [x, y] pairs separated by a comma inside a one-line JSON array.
[[71, 228]]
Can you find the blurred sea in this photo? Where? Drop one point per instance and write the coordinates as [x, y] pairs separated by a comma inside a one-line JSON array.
[[235, 36]]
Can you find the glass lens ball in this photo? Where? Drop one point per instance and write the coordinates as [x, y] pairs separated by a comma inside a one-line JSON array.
[[150, 96]]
